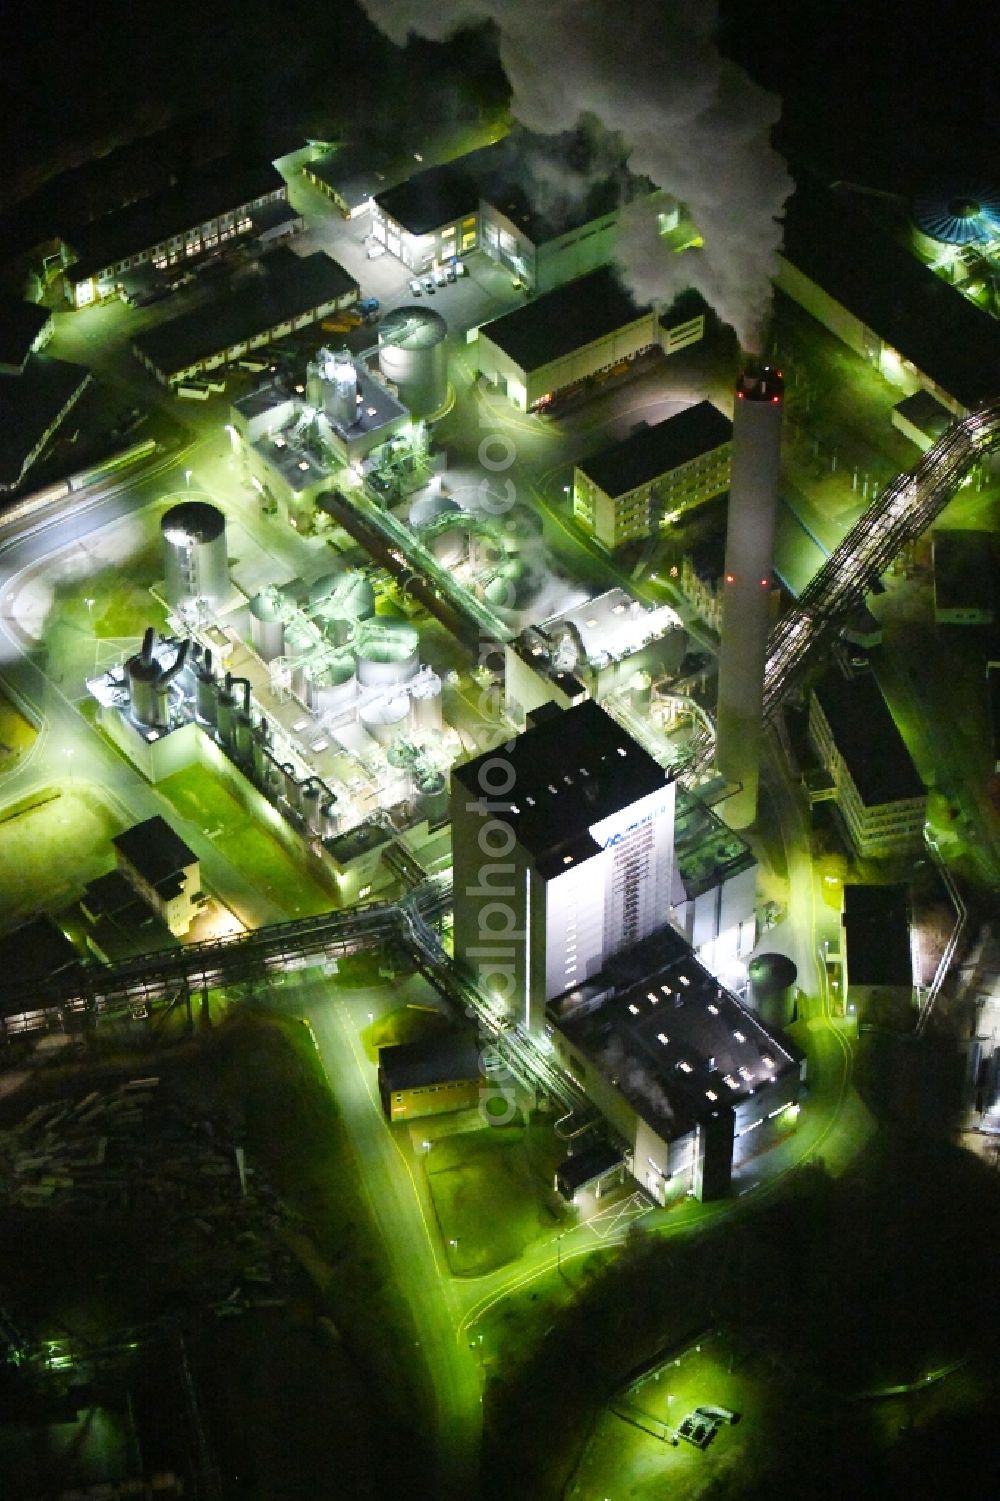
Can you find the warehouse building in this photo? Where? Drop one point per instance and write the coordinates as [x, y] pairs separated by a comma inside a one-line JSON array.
[[351, 174], [631, 491], [564, 337], [169, 229], [688, 1079], [430, 1077], [292, 292], [430, 219], [563, 855], [878, 793], [163, 870], [34, 402], [849, 273], [963, 577]]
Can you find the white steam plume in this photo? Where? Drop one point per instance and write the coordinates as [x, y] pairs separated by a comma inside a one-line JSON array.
[[692, 122]]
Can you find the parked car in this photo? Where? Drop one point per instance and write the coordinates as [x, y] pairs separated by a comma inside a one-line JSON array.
[[450, 272], [368, 305], [415, 287], [440, 277], [374, 249], [459, 268], [428, 284]]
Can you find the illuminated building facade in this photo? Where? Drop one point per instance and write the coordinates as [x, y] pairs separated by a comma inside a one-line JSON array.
[[563, 855]]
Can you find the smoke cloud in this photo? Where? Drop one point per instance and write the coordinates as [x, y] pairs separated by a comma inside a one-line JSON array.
[[691, 121]]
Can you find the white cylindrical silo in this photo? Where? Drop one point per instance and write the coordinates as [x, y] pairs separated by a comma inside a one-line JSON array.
[[267, 627], [426, 694], [195, 559], [413, 356], [386, 652], [386, 718], [747, 586]]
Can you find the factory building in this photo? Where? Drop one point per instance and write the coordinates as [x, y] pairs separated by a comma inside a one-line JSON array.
[[591, 650], [118, 922], [879, 796], [169, 229], [878, 953], [430, 219], [291, 292], [430, 1077], [688, 1078], [562, 846], [293, 444], [964, 571], [847, 271], [564, 337], [748, 585], [630, 491], [164, 872], [36, 397], [715, 888]]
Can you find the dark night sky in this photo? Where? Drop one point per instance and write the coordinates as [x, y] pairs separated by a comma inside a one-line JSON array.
[[879, 90]]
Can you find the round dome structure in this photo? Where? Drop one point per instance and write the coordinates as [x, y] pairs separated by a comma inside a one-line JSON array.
[[429, 506], [413, 355], [509, 586], [957, 212], [196, 561], [385, 718]]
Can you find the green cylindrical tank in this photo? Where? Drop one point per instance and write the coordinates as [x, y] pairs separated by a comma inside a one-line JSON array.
[[772, 988]]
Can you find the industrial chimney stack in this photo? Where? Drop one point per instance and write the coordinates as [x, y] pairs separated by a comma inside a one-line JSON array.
[[747, 585]]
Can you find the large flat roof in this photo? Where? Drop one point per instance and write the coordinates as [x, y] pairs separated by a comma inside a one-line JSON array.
[[877, 935], [20, 325], [430, 199], [153, 220], [964, 566], [433, 1060], [663, 1031], [839, 245], [566, 773], [290, 286], [29, 405], [652, 451], [553, 325], [155, 850], [867, 738]]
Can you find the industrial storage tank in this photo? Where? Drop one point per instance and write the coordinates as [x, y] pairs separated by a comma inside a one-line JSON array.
[[413, 355], [386, 718], [510, 585], [267, 628], [772, 988], [955, 213], [429, 506], [426, 694], [196, 561], [341, 390], [432, 797], [334, 685], [386, 652]]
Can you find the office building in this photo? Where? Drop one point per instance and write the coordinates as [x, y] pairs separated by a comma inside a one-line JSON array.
[[163, 870], [632, 490], [563, 855], [429, 219], [878, 793], [964, 570], [878, 954]]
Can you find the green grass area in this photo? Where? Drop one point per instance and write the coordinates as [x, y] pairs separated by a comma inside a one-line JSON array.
[[121, 602], [17, 734], [492, 1194], [261, 857], [50, 846], [410, 1023]]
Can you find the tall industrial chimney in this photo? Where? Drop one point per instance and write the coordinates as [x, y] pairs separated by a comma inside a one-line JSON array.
[[747, 585]]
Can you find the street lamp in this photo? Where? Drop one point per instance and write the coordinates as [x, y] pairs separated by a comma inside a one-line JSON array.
[[187, 478], [559, 1253]]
